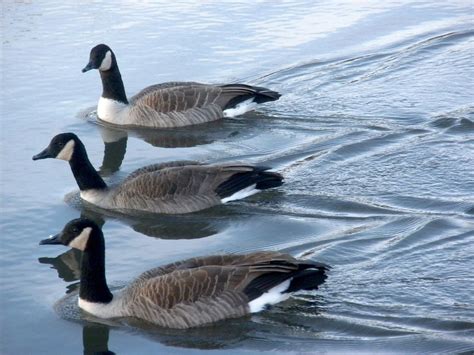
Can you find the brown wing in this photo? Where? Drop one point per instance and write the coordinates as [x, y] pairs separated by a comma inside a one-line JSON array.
[[175, 104], [186, 297], [179, 98], [179, 104], [180, 189]]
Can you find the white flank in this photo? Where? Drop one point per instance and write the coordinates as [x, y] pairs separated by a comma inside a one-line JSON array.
[[272, 296], [112, 111], [240, 109], [103, 310], [66, 152], [248, 191], [106, 62], [80, 241]]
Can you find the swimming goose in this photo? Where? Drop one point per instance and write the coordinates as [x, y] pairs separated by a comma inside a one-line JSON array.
[[191, 292], [172, 104], [172, 187]]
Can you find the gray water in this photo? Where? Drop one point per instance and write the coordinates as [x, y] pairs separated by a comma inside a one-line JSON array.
[[374, 134]]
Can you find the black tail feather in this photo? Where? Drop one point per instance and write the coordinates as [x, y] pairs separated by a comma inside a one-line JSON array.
[[245, 92], [264, 95], [258, 176], [309, 279], [308, 276], [268, 180]]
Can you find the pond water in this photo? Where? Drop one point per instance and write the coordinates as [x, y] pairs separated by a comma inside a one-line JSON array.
[[374, 134]]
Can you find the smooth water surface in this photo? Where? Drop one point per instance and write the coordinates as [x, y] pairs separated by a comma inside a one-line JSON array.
[[374, 134]]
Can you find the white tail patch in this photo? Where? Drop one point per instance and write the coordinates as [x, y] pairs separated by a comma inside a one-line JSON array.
[[80, 241], [106, 62], [248, 191], [272, 296], [240, 109], [67, 151]]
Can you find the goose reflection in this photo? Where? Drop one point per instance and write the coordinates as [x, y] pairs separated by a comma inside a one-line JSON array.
[[95, 335], [115, 140], [221, 335], [190, 226], [115, 147], [68, 266], [95, 339], [193, 226], [184, 137]]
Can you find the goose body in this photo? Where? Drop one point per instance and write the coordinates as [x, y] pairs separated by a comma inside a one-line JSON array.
[[191, 292], [173, 187], [172, 104]]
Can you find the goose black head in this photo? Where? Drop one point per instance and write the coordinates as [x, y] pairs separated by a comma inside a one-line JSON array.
[[61, 146], [78, 233], [101, 58]]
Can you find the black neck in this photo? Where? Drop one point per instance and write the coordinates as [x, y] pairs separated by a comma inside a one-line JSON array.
[[93, 283], [86, 176], [112, 84]]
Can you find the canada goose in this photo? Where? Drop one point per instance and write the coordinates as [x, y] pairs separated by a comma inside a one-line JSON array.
[[172, 104], [191, 292], [172, 187]]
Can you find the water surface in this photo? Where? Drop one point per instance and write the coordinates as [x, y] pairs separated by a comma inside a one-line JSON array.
[[374, 134]]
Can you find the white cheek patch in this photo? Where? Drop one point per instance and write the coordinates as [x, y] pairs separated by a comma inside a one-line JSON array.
[[106, 62], [66, 152], [80, 241]]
